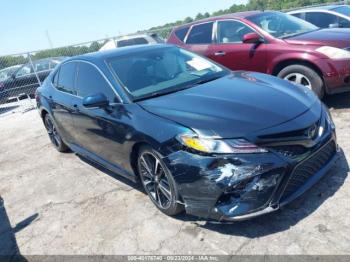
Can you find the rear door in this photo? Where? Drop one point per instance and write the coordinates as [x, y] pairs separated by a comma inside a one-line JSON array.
[[61, 99], [199, 38], [230, 51]]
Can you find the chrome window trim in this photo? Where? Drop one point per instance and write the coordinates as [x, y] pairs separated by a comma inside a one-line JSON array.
[[190, 30], [98, 69]]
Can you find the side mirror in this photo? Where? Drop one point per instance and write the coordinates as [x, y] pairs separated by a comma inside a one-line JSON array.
[[252, 38], [335, 25], [97, 100]]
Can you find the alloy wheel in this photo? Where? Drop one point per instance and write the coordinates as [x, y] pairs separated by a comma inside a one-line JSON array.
[[155, 180], [299, 78], [52, 132]]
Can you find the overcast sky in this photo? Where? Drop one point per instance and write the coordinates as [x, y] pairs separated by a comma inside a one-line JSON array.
[[24, 23]]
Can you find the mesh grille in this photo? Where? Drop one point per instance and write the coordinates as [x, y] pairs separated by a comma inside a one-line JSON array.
[[291, 151], [308, 168]]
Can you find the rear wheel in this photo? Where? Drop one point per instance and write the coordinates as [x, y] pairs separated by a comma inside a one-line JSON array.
[[54, 135], [158, 182], [305, 76]]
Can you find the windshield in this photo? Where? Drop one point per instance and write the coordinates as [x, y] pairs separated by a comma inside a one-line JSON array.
[[281, 25], [345, 10], [162, 70], [7, 72]]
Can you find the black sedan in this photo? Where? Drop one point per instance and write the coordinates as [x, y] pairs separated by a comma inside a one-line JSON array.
[[219, 144], [27, 78]]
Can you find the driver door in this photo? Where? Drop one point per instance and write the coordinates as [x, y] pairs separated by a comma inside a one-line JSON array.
[[230, 51]]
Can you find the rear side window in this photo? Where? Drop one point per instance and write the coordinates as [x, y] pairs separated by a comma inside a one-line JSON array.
[[299, 15], [181, 33], [133, 41], [91, 82], [66, 78], [322, 20], [201, 34]]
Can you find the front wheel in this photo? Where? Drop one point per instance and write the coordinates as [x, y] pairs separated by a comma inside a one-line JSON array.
[[158, 182], [305, 76]]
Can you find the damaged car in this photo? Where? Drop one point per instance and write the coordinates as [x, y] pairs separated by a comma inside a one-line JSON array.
[[218, 144]]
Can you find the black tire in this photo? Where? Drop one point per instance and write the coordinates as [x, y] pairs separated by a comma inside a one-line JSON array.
[[54, 135], [164, 180], [310, 75]]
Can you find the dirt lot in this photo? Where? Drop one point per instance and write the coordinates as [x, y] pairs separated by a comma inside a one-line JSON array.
[[60, 204]]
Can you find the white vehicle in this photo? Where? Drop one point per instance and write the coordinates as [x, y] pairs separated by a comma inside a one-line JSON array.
[[132, 40], [330, 16]]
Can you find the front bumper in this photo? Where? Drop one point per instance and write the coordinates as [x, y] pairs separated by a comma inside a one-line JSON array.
[[230, 188], [336, 74]]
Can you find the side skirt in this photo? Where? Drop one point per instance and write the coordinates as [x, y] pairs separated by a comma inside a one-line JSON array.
[[100, 161]]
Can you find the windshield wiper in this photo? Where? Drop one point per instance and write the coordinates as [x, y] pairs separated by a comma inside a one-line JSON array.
[[206, 80]]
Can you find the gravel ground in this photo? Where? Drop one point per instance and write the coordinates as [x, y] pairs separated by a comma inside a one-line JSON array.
[[61, 204]]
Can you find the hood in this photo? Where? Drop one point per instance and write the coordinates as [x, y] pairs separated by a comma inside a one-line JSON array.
[[233, 106], [336, 37]]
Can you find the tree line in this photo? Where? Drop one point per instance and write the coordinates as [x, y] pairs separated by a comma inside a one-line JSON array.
[[164, 30]]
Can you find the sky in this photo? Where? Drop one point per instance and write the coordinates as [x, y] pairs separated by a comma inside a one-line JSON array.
[[26, 24]]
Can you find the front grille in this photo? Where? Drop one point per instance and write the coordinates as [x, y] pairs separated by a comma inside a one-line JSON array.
[[291, 151], [301, 133], [308, 168]]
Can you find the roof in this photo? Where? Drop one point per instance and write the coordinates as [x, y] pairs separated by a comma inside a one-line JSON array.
[[102, 55], [227, 16], [316, 8]]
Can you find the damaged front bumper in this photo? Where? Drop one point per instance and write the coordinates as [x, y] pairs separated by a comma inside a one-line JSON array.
[[230, 188]]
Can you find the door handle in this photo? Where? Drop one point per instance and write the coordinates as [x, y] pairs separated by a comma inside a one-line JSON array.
[[220, 53]]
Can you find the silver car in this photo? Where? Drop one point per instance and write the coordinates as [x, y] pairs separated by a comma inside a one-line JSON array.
[[330, 16]]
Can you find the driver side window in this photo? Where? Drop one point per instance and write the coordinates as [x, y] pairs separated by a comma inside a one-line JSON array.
[[232, 31]]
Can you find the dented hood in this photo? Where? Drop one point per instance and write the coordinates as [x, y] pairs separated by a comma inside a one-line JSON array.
[[234, 105]]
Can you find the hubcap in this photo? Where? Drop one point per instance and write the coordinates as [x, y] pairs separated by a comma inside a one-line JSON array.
[[52, 132], [155, 180], [299, 79]]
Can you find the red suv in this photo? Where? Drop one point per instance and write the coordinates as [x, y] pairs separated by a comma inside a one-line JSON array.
[[273, 43]]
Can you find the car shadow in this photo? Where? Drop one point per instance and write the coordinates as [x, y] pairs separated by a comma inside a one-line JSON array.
[[9, 250], [338, 101], [291, 214]]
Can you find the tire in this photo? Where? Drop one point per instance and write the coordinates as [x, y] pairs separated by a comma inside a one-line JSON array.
[[158, 182], [54, 136], [304, 75]]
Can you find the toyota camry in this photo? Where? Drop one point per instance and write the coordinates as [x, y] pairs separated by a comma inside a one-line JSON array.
[[200, 138]]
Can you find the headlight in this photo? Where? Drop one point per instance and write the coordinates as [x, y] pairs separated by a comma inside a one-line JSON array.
[[333, 52], [219, 146]]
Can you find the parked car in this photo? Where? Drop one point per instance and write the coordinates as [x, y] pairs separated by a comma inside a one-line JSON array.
[[330, 16], [273, 43], [221, 145], [140, 39], [24, 81], [7, 72]]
